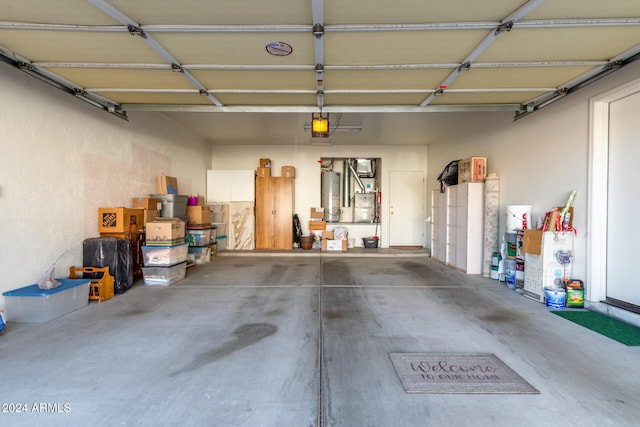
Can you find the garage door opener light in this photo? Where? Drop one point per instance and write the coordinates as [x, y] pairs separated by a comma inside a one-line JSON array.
[[320, 126]]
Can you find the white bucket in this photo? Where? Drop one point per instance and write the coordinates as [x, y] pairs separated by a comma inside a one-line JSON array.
[[518, 218]]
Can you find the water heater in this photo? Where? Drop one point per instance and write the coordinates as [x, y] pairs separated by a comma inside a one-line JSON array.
[[331, 196]]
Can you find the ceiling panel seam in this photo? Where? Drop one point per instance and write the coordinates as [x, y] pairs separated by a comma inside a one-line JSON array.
[[266, 67], [308, 91], [459, 25]]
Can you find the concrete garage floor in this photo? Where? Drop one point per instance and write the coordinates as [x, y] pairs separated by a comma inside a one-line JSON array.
[[274, 340]]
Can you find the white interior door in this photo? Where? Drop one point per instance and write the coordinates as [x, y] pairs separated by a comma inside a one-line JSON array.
[[623, 204], [406, 208]]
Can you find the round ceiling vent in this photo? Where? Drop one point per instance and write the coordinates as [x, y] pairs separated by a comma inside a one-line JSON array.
[[279, 48]]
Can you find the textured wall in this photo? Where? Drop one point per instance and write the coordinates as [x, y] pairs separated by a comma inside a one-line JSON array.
[[61, 159]]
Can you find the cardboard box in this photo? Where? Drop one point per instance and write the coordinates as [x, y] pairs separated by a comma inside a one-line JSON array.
[[542, 269], [120, 220], [166, 185], [263, 172], [148, 215], [327, 235], [265, 163], [534, 240], [198, 215], [317, 213], [334, 245], [147, 203], [317, 225], [551, 222], [540, 273], [165, 231], [288, 172], [473, 169]]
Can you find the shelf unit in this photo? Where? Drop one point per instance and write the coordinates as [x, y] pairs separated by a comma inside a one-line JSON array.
[[457, 229]]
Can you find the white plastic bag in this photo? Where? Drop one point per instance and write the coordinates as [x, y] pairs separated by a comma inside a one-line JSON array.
[[48, 281]]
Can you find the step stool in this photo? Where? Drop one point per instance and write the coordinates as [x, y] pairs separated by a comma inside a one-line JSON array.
[[100, 289]]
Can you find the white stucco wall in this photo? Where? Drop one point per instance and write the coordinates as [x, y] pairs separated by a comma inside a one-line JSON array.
[[61, 159]]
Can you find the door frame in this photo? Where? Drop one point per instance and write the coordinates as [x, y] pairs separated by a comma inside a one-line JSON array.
[[597, 188]]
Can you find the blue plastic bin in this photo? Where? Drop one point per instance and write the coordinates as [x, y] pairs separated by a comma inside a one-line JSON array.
[[32, 304]]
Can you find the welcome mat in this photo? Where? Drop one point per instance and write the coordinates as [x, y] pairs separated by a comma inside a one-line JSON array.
[[443, 373], [609, 327]]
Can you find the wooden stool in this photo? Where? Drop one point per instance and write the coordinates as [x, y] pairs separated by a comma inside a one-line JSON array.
[[100, 289]]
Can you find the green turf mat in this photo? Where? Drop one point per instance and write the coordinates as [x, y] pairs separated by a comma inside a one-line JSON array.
[[607, 326]]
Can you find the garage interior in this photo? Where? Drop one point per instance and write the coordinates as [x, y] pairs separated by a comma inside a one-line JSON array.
[[100, 97]]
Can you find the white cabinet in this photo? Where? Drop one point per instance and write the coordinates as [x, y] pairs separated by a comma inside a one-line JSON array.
[[224, 186], [461, 223], [438, 225]]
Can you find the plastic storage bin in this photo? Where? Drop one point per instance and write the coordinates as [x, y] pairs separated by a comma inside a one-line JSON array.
[[199, 255], [199, 237], [173, 205], [32, 304], [221, 243], [164, 256], [370, 242], [164, 275]]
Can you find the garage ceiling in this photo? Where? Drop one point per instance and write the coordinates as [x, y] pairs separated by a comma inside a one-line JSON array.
[[306, 56]]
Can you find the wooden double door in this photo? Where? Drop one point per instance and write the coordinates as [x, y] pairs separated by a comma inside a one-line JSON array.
[[274, 213]]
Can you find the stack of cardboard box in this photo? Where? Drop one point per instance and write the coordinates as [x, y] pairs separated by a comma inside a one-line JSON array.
[[150, 207], [326, 240], [264, 170], [199, 233], [316, 220], [317, 225], [125, 223], [165, 252], [331, 242]]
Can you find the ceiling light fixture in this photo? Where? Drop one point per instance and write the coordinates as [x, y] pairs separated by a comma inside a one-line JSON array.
[[320, 126]]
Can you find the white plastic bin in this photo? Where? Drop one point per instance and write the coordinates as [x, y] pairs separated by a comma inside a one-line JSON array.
[[164, 256], [164, 275]]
